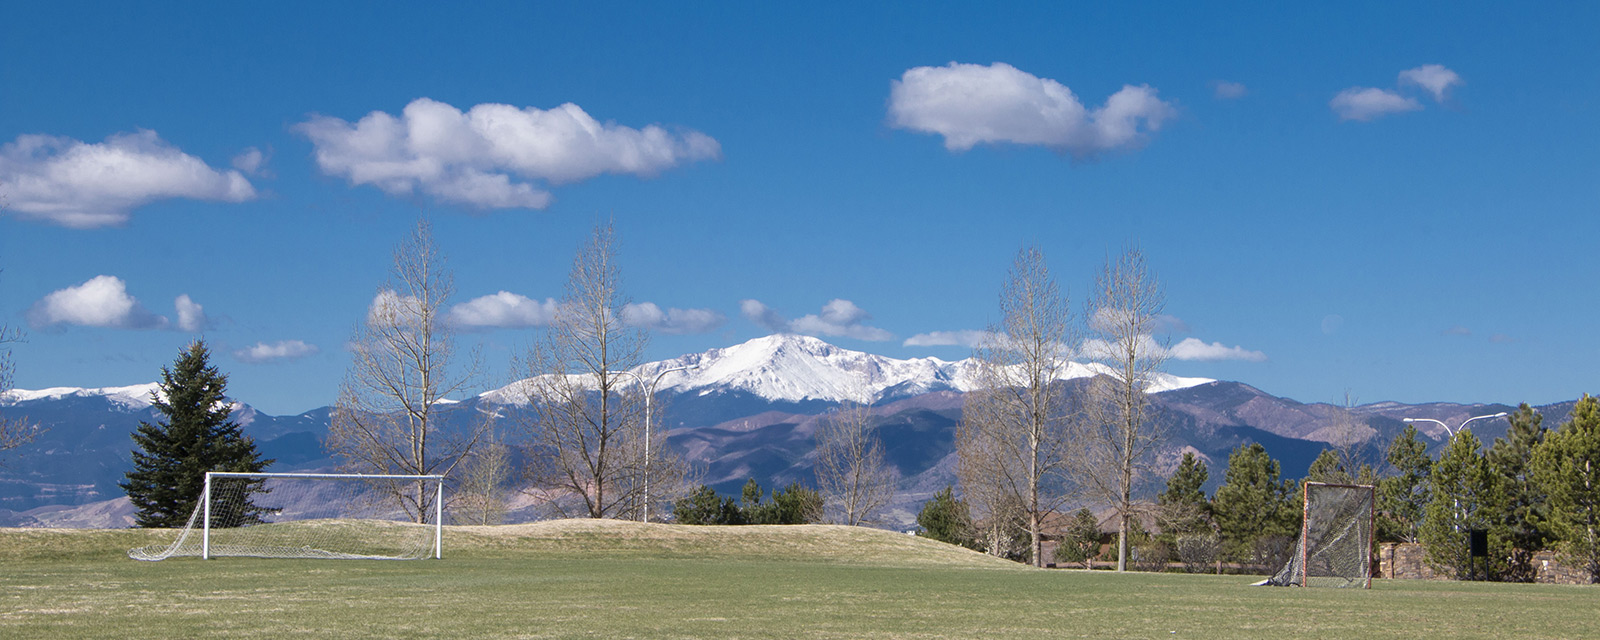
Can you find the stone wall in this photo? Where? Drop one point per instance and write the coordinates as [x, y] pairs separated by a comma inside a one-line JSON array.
[[1408, 561], [1549, 569], [1403, 561]]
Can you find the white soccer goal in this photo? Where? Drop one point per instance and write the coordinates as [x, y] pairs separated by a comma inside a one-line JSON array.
[[1335, 546], [311, 515]]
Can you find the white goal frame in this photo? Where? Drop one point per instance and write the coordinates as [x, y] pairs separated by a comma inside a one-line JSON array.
[[438, 500], [201, 521]]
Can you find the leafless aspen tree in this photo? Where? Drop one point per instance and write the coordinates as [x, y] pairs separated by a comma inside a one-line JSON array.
[[391, 411], [14, 431], [1123, 310], [481, 496], [1014, 437], [586, 427], [855, 480]]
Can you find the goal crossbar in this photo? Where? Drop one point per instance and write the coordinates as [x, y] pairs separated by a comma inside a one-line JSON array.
[[310, 524]]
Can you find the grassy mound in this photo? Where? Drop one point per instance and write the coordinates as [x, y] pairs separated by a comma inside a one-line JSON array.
[[581, 538], [804, 543], [608, 579]]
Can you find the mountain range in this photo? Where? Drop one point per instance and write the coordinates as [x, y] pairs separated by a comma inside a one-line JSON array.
[[744, 411]]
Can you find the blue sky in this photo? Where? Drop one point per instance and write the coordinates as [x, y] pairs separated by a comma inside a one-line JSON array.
[[1395, 202]]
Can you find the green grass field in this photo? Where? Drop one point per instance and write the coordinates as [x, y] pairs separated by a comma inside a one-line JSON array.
[[615, 580]]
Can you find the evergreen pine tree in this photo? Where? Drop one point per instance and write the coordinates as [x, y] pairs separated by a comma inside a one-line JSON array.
[[1183, 506], [1082, 540], [1467, 495], [1329, 468], [1567, 467], [1404, 496], [946, 518], [197, 436], [1253, 504], [1524, 516]]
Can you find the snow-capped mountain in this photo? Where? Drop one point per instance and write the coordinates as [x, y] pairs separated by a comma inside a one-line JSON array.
[[132, 398], [797, 368]]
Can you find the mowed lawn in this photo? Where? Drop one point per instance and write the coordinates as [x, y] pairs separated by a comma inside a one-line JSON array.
[[614, 580]]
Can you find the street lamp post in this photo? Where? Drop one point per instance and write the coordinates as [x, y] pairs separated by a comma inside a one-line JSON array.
[[649, 395], [1456, 504], [1459, 427]]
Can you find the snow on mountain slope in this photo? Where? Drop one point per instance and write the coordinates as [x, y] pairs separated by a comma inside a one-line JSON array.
[[133, 397], [795, 368]]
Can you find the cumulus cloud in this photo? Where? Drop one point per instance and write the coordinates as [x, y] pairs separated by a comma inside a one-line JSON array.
[[838, 318], [1187, 349], [965, 338], [84, 185], [493, 156], [1106, 319], [504, 310], [1224, 90], [103, 301], [1365, 104], [191, 316], [1435, 78], [762, 315], [277, 351], [1196, 349], [1457, 330], [971, 104], [250, 161], [647, 315]]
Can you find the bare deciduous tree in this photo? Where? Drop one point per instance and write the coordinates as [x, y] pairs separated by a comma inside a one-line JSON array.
[[481, 496], [392, 409], [855, 479], [1120, 436], [587, 411], [1013, 441], [14, 432]]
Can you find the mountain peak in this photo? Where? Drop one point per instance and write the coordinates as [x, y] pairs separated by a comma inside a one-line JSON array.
[[133, 397], [788, 367]]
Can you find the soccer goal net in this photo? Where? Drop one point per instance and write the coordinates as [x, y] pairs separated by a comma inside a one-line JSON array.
[[1335, 546], [311, 515]]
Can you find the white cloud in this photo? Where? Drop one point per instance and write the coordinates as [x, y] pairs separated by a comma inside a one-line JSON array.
[[971, 104], [280, 350], [671, 321], [494, 156], [1196, 349], [250, 160], [1187, 349], [504, 310], [1366, 103], [103, 301], [1105, 319], [1098, 349], [838, 318], [84, 185], [764, 316], [1435, 78], [1224, 90], [191, 316], [965, 338]]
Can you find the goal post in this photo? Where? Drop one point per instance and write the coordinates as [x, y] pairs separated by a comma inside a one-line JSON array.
[[1335, 545], [311, 515]]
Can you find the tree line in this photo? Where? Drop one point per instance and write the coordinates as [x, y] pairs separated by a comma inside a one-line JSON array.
[[1532, 489]]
